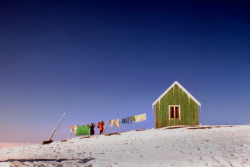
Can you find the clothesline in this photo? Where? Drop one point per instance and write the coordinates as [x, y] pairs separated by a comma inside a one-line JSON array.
[[88, 129]]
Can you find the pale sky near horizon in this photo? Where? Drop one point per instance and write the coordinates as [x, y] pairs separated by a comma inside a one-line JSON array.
[[104, 60]]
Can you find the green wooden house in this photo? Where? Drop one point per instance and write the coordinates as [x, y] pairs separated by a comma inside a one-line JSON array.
[[176, 106]]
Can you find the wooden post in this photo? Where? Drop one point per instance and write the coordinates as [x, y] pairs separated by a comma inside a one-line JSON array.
[[56, 126], [105, 127]]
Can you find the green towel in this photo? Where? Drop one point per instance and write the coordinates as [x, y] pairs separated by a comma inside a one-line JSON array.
[[83, 130]]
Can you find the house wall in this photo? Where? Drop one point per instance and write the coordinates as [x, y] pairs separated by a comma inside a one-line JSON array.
[[176, 96]]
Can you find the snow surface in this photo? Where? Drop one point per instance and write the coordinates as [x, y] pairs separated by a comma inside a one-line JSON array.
[[12, 144], [218, 146]]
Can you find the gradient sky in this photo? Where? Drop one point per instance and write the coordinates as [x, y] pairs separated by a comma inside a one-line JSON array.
[[101, 60]]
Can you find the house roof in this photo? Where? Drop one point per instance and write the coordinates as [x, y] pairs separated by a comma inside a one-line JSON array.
[[176, 83]]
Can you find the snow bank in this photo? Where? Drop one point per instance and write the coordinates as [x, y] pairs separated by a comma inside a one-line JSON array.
[[12, 144], [171, 146]]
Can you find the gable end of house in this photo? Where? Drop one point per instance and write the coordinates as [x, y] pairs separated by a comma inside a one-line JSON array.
[[181, 87]]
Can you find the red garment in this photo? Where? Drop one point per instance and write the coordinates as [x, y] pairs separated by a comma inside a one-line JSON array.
[[100, 125]]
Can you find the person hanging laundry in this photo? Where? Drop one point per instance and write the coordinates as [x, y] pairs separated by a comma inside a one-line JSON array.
[[128, 120], [139, 118], [114, 122], [92, 130], [83, 130], [73, 129], [100, 126]]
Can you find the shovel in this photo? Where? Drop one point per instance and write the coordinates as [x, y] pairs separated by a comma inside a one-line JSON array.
[[50, 141]]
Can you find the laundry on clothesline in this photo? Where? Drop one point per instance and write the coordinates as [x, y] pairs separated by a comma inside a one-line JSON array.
[[73, 129], [83, 130], [128, 120], [140, 118], [89, 129], [114, 122]]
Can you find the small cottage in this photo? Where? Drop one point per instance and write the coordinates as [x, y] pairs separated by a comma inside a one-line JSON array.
[[176, 106]]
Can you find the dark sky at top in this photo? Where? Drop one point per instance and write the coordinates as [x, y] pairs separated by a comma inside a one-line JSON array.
[[101, 60]]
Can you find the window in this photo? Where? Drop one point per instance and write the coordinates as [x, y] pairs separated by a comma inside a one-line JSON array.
[[174, 112]]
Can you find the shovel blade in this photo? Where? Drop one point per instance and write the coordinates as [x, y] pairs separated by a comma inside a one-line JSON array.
[[47, 142]]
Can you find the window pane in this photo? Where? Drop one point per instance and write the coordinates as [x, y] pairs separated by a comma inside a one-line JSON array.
[[177, 113], [171, 112]]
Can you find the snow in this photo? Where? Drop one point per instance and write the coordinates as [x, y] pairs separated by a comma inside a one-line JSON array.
[[12, 144], [171, 146], [166, 91]]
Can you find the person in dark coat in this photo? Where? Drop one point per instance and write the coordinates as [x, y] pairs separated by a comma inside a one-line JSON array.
[[92, 129]]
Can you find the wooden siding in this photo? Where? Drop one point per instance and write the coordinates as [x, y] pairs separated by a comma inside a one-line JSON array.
[[188, 108]]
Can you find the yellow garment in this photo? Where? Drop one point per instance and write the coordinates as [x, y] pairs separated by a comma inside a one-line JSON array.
[[115, 122], [141, 117], [73, 129]]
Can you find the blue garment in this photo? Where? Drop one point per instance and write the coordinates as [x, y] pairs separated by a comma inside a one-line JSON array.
[[128, 120]]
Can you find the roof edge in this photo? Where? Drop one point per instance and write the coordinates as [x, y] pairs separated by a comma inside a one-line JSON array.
[[176, 83]]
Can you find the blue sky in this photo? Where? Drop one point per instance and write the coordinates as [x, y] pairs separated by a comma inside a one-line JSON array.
[[104, 60]]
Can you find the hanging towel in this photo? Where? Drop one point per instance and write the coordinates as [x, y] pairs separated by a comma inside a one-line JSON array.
[[128, 120], [125, 120], [114, 122], [73, 129], [139, 118], [83, 130]]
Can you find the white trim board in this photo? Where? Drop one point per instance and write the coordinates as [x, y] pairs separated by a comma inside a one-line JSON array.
[[176, 83]]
